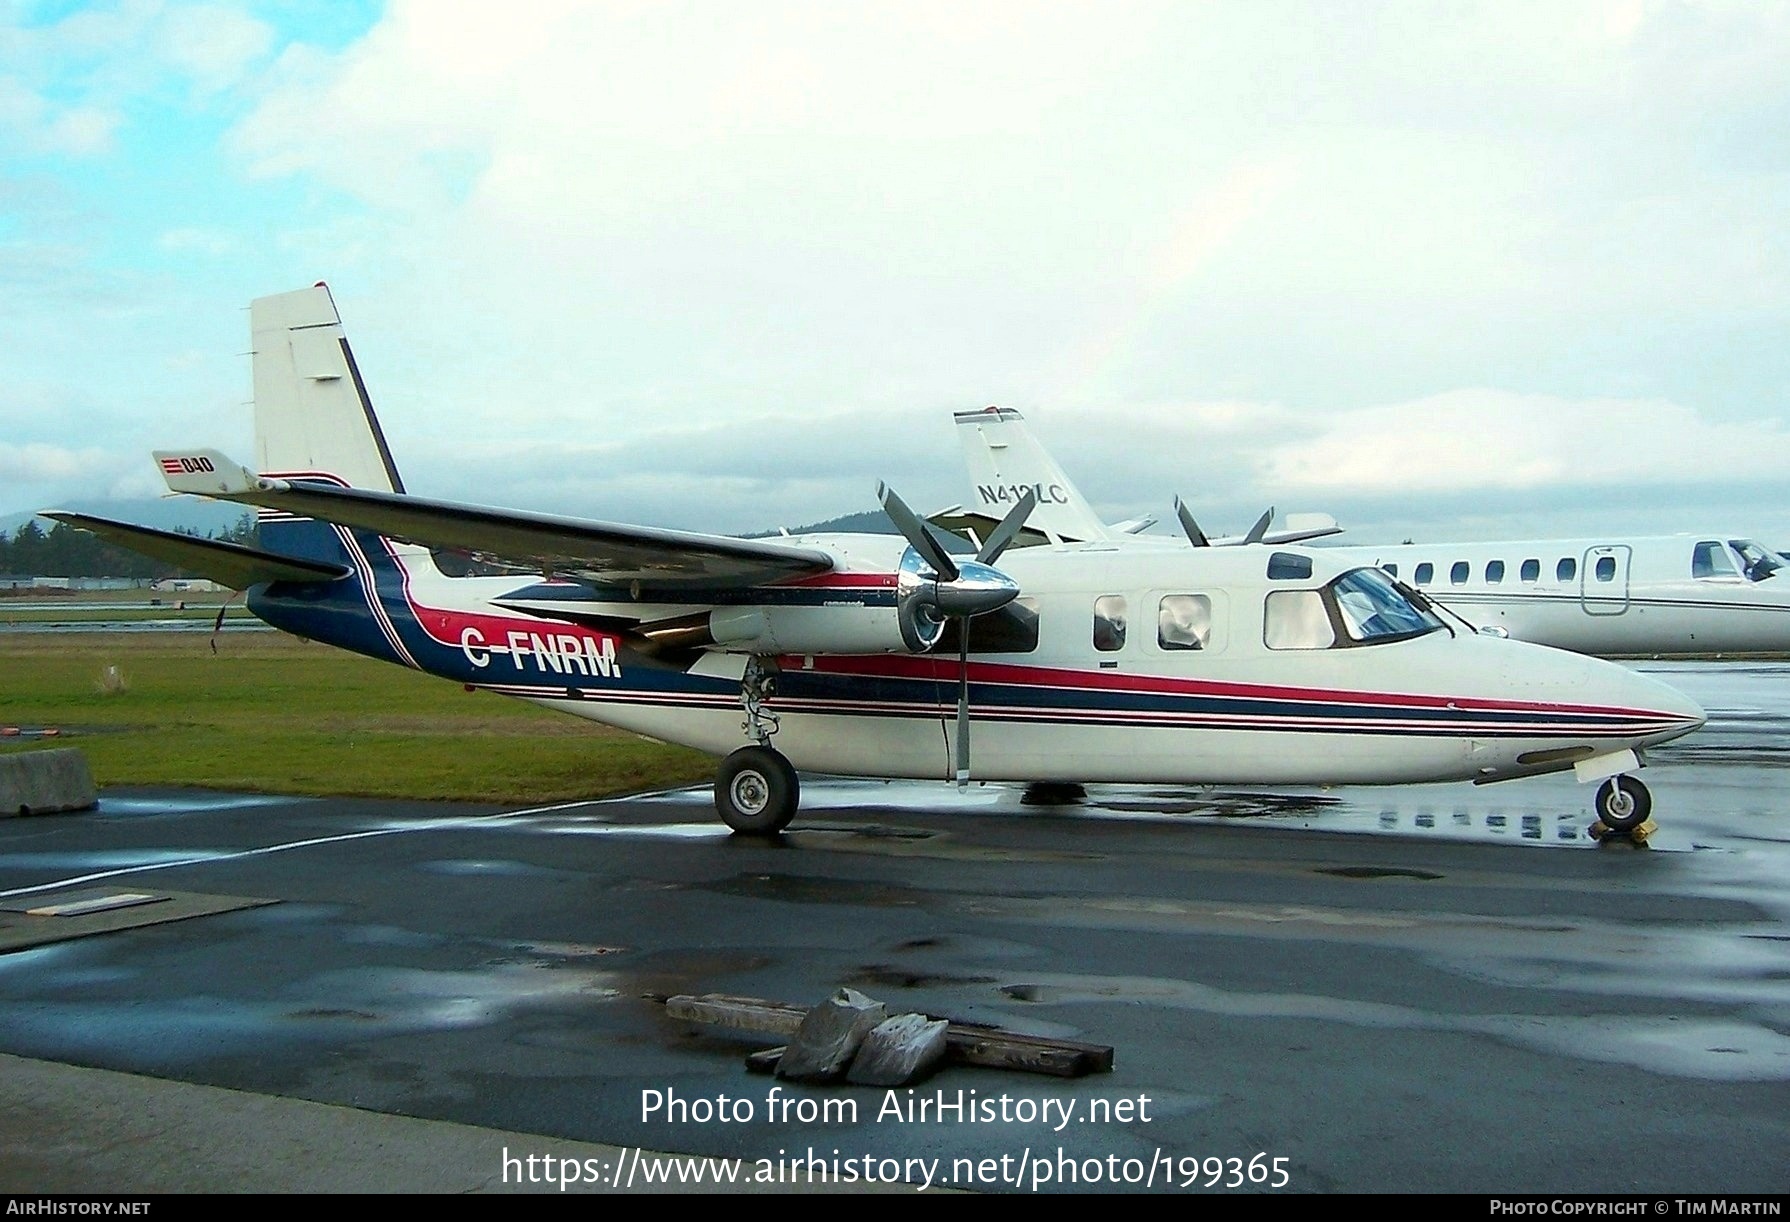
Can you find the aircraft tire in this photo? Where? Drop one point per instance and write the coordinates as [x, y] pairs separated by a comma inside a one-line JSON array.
[[757, 791], [1623, 804]]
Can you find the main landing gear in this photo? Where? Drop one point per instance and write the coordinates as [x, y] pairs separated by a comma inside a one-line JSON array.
[[1623, 808], [757, 790]]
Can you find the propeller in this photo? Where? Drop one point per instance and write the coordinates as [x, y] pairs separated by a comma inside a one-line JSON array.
[[935, 586], [1195, 535]]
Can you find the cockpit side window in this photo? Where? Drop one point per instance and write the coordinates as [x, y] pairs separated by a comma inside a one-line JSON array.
[[1296, 619], [1710, 559], [1289, 566]]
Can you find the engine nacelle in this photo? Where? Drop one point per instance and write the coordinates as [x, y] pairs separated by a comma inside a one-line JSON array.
[[834, 629]]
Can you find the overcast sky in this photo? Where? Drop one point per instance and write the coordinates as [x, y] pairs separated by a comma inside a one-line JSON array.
[[1440, 269]]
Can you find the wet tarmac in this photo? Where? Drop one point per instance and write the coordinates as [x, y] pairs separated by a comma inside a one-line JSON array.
[[1435, 988]]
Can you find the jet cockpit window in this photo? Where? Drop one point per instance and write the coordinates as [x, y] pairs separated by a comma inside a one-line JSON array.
[[1494, 572], [1184, 621], [1566, 570], [1366, 605], [1289, 566], [1425, 572], [1391, 568], [1109, 623], [1756, 562], [1531, 570], [1710, 560]]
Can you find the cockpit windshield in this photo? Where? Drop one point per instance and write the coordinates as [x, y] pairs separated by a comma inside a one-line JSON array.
[[1758, 563], [1374, 609], [1367, 606]]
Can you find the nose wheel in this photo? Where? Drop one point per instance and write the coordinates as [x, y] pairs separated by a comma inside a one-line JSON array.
[[1623, 808], [757, 791]]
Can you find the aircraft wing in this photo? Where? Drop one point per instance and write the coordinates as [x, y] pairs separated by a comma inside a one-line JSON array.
[[228, 564], [600, 553]]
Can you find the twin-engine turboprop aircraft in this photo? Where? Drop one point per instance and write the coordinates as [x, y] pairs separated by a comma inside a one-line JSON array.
[[886, 656]]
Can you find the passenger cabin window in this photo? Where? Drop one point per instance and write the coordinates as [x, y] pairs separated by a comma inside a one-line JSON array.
[[1494, 572], [1296, 619], [1458, 574], [1012, 629], [1606, 568], [1288, 566], [1425, 571], [1710, 559], [1109, 623], [1184, 621], [1531, 570], [1566, 570]]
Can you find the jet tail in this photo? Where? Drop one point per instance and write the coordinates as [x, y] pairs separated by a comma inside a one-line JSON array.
[[1006, 462]]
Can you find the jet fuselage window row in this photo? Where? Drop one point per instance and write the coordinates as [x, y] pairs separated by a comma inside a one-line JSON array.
[[1460, 572]]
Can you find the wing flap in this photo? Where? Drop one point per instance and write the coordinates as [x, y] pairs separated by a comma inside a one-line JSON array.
[[228, 564]]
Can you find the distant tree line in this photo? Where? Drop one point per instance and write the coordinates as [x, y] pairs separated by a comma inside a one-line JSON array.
[[66, 551]]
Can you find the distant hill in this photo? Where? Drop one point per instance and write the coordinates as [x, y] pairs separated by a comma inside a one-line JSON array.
[[163, 513], [870, 522]]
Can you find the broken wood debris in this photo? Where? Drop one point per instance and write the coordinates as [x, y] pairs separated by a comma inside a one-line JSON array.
[[969, 1044]]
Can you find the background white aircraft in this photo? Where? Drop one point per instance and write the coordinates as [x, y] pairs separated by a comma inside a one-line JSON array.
[[1073, 662], [1679, 595]]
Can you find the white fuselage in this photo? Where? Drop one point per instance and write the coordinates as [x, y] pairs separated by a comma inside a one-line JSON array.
[[1637, 597], [1111, 689]]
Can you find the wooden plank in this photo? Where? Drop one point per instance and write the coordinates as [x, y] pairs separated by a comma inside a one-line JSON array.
[[967, 1043]]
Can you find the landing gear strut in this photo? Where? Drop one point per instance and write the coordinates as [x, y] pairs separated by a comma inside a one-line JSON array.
[[1623, 806], [756, 789]]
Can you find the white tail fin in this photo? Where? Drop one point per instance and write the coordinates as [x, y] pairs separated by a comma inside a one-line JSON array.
[[312, 414], [1006, 461]]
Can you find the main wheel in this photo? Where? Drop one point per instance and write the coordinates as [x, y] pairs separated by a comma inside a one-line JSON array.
[[756, 791], [1623, 804]]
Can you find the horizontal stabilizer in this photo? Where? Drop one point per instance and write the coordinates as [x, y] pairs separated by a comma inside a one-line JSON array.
[[228, 564], [203, 473]]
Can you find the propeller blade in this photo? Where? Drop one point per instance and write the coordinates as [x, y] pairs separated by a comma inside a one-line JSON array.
[[924, 542], [1009, 528], [1260, 528], [963, 705], [1195, 535]]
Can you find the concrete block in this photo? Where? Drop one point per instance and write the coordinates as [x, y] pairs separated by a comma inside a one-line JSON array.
[[899, 1051], [830, 1036], [44, 782]]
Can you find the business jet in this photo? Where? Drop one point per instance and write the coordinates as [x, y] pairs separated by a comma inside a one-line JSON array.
[[1612, 597], [877, 655]]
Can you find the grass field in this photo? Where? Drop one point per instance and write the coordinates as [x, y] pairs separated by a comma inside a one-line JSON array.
[[271, 713]]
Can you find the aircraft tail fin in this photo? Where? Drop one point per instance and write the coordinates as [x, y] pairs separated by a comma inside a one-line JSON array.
[[1006, 461], [312, 414]]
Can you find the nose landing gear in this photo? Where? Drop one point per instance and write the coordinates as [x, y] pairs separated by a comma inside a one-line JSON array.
[[1623, 808]]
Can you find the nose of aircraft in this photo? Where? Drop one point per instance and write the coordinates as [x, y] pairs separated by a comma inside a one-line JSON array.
[[1678, 711]]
